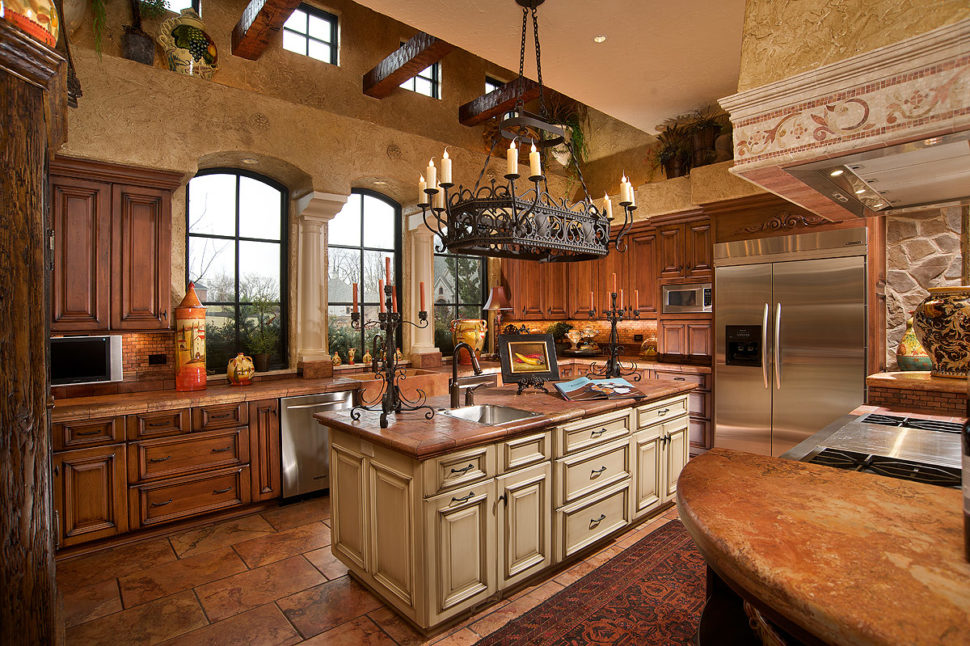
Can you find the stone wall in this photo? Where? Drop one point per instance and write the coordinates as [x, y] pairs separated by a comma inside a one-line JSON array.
[[923, 250]]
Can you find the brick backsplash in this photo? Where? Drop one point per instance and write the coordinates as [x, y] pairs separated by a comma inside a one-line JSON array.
[[625, 330], [935, 402], [136, 348]]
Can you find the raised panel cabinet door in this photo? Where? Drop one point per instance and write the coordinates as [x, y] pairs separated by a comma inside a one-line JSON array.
[[524, 523], [642, 270], [553, 290], [670, 239], [647, 471], [673, 337], [348, 500], [264, 437], [676, 454], [526, 293], [141, 258], [581, 279], [700, 250], [699, 338], [90, 494], [81, 280], [392, 530]]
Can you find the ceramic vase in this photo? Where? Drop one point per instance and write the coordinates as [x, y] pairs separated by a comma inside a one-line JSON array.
[[188, 48], [910, 355], [190, 343], [240, 371], [470, 331], [942, 325]]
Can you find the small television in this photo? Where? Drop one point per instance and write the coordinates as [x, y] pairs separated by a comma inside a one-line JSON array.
[[86, 359]]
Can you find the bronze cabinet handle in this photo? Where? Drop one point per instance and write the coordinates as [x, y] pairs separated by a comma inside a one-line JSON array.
[[222, 450], [159, 459], [94, 432], [156, 424], [463, 498], [596, 472], [680, 379], [593, 522], [597, 433], [463, 469], [162, 504], [662, 412], [217, 491]]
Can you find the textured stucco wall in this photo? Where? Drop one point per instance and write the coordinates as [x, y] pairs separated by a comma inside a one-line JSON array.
[[785, 37]]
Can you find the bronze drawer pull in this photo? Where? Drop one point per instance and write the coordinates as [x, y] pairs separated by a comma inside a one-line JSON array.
[[593, 522], [463, 498], [162, 504], [215, 491], [662, 412], [222, 450], [680, 379], [596, 472], [597, 433], [159, 459], [157, 423], [223, 414], [463, 469], [94, 432]]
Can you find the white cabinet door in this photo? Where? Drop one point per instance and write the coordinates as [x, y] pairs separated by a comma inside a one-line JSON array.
[[524, 513], [676, 450], [648, 485], [348, 498], [392, 530]]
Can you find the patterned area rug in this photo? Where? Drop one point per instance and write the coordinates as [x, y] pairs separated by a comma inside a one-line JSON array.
[[652, 593]]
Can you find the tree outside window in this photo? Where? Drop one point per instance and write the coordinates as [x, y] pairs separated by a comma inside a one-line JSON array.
[[458, 292]]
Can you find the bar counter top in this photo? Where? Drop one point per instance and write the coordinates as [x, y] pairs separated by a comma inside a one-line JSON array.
[[413, 435], [850, 558], [917, 380]]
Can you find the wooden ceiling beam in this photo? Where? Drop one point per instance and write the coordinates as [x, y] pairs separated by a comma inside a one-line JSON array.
[[260, 20], [498, 101], [404, 63]]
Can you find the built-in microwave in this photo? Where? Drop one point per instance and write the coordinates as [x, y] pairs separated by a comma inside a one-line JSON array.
[[679, 299], [86, 359]]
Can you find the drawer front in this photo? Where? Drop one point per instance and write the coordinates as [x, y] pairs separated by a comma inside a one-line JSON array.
[[174, 456], [208, 418], [151, 504], [87, 432], [699, 404], [661, 411], [458, 469], [593, 432], [523, 452], [589, 519], [592, 470], [144, 426], [691, 378]]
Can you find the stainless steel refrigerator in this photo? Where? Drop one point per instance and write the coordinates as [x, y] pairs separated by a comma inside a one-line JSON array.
[[790, 337]]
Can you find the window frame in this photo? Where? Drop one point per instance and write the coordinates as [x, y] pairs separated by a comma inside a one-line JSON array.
[[482, 277], [411, 85], [334, 45], [491, 80], [284, 237], [398, 252]]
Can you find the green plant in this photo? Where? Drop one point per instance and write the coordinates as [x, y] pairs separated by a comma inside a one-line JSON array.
[[152, 8], [558, 330], [673, 145], [262, 329], [100, 22]]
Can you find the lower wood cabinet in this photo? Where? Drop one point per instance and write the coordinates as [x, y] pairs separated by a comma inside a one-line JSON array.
[[90, 494], [177, 498], [265, 448], [685, 337], [524, 531], [349, 515]]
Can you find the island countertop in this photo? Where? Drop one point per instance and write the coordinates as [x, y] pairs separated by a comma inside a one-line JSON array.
[[413, 435], [852, 558]]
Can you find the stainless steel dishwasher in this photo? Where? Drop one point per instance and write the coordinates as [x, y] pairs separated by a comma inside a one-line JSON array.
[[306, 444]]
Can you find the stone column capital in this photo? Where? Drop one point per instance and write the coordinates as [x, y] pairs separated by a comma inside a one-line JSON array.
[[319, 208]]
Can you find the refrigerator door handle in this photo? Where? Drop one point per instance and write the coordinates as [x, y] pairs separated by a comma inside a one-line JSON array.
[[764, 347], [778, 345]]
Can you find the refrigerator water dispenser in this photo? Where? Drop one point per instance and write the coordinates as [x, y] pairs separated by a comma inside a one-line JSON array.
[[743, 345]]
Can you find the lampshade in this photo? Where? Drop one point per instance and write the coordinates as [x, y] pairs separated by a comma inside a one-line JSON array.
[[497, 300]]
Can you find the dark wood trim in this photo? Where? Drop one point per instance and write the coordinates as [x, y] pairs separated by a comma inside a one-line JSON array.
[[261, 20], [876, 291], [404, 63], [98, 171], [498, 102]]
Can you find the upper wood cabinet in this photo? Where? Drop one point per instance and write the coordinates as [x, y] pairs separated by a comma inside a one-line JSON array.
[[581, 279], [670, 252], [523, 280], [700, 250], [642, 269], [552, 292], [112, 246], [685, 250]]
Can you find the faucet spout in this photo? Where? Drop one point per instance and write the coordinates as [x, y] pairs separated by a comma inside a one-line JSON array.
[[455, 385]]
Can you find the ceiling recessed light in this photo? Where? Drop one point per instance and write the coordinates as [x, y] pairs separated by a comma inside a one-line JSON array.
[[250, 161], [599, 39], [836, 172]]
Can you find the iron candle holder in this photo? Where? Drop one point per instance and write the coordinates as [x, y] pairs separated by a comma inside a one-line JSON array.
[[388, 371], [614, 368]]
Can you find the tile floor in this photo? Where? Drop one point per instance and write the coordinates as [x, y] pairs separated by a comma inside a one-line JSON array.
[[263, 579]]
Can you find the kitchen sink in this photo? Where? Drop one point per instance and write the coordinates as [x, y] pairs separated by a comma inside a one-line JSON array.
[[488, 413]]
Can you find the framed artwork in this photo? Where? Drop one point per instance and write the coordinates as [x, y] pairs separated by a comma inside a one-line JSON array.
[[528, 357]]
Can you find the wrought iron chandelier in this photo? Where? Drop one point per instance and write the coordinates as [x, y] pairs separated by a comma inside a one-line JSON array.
[[499, 221]]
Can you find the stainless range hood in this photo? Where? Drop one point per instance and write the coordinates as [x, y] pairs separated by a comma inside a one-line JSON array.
[[910, 176]]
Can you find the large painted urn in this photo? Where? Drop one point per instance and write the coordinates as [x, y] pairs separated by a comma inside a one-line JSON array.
[[942, 325], [472, 332], [190, 343]]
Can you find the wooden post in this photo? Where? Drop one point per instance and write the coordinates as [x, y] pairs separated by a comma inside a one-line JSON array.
[[33, 100]]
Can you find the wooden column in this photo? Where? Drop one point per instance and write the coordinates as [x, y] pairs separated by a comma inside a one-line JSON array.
[[33, 99]]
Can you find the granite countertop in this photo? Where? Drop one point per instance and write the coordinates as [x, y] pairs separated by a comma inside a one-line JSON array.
[[417, 437], [917, 380], [853, 558]]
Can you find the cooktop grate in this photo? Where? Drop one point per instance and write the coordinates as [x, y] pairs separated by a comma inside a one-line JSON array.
[[890, 467], [912, 422]]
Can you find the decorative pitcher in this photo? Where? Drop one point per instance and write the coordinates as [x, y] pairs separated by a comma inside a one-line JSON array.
[[472, 332], [942, 325], [910, 355], [241, 370], [188, 48]]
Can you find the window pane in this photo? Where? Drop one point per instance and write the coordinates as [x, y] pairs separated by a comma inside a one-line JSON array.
[[408, 84], [444, 280], [212, 205], [443, 315], [340, 334], [259, 271], [259, 209], [319, 51], [422, 86], [294, 42], [344, 229], [260, 331], [212, 267], [378, 223], [370, 314], [470, 311], [220, 336], [469, 280], [374, 269], [343, 271], [296, 21], [320, 28], [427, 72], [178, 5]]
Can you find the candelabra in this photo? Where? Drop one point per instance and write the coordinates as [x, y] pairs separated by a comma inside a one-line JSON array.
[[384, 363], [614, 367]]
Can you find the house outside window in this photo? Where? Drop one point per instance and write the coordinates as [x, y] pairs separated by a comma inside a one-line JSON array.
[[458, 292], [311, 32]]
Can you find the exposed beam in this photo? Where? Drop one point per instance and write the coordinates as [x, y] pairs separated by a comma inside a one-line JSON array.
[[260, 20], [498, 101], [404, 63]]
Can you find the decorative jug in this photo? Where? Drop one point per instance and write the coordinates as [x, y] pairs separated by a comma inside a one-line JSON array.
[[910, 355], [241, 370], [942, 325], [470, 331]]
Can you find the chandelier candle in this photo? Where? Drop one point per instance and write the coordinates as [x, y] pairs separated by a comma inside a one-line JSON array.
[[535, 163], [422, 188], [432, 174], [512, 165], [445, 169]]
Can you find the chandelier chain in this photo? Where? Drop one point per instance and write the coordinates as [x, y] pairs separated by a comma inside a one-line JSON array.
[[519, 103], [535, 34]]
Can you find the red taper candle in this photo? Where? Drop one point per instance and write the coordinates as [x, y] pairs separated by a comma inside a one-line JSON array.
[[422, 297], [387, 269], [355, 298], [614, 282], [380, 290], [636, 296], [591, 302], [393, 299]]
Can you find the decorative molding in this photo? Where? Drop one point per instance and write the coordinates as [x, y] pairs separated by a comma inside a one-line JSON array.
[[784, 221], [115, 173]]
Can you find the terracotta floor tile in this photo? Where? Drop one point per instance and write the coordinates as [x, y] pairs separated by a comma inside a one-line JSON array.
[[281, 545], [150, 623], [90, 602], [575, 573], [358, 632], [300, 513], [504, 614], [157, 582], [228, 532], [246, 590], [110, 564], [463, 637], [262, 626], [327, 605], [324, 560], [399, 630]]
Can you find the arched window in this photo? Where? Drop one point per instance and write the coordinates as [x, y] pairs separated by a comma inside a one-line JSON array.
[[235, 255], [459, 287], [359, 239]]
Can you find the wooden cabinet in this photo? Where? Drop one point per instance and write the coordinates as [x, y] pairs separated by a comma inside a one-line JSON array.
[[670, 251], [176, 498], [349, 517], [700, 406], [87, 432], [264, 434], [90, 494], [393, 559], [642, 270], [522, 279], [552, 289], [699, 250], [675, 455], [685, 337], [685, 250], [646, 448], [524, 523], [581, 279]]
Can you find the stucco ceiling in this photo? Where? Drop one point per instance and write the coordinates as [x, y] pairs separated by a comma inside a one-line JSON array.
[[660, 58]]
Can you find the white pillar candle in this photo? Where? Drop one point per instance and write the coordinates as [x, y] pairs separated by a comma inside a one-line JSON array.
[[439, 198], [607, 206], [432, 174], [445, 169], [633, 194], [422, 186], [624, 191], [535, 166], [512, 165]]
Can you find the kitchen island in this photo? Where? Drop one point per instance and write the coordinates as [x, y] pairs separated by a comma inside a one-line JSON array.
[[828, 556], [441, 516]]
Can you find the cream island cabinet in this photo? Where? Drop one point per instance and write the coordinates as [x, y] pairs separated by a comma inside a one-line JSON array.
[[438, 536]]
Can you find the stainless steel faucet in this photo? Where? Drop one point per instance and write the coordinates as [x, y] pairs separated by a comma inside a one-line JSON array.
[[468, 384]]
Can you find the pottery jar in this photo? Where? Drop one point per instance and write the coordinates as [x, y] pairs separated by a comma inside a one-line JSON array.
[[910, 355], [942, 325], [470, 331], [240, 371]]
